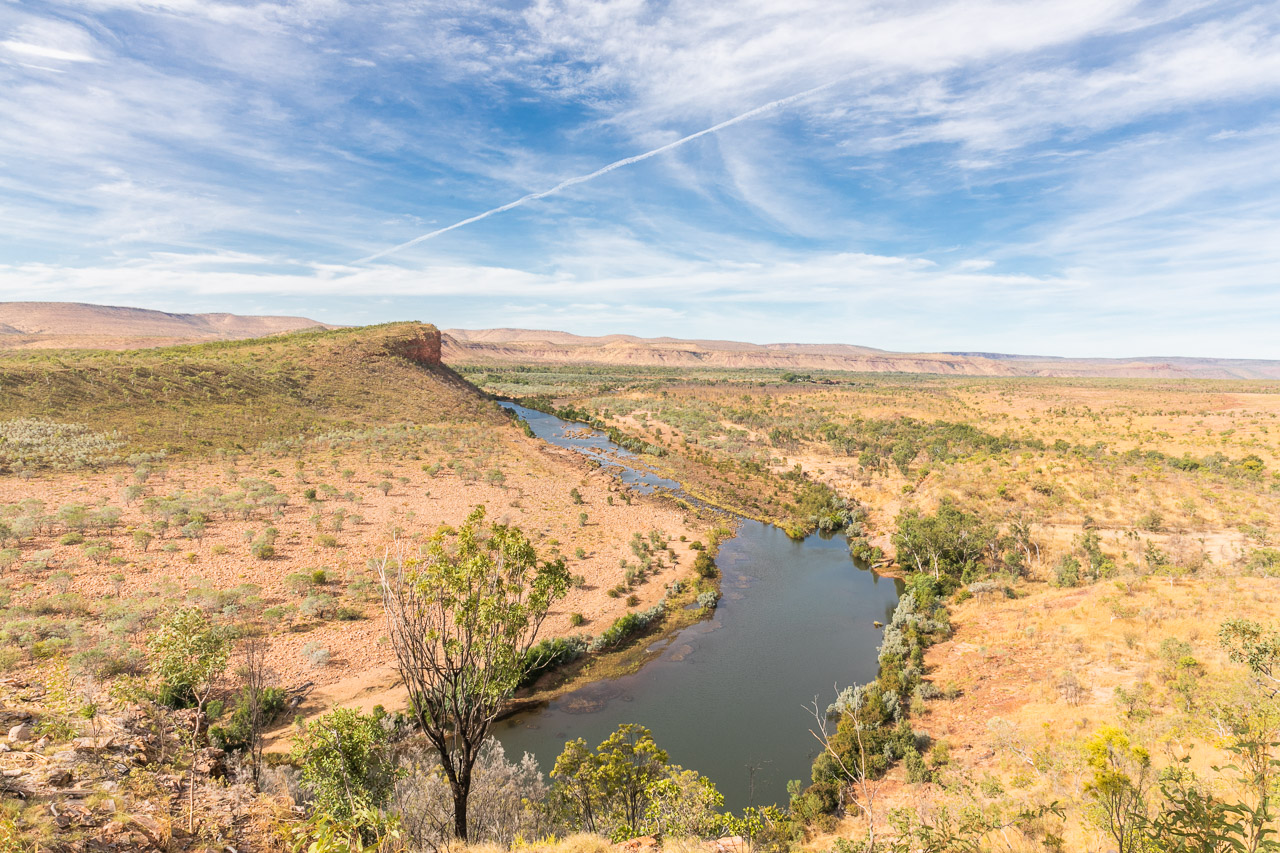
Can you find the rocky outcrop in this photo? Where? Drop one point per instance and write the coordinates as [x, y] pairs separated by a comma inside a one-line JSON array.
[[419, 344]]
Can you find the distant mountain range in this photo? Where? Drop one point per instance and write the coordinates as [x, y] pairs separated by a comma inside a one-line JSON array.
[[29, 325], [486, 346], [74, 325]]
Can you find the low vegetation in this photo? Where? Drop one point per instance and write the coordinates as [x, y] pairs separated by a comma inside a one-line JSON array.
[[1085, 654]]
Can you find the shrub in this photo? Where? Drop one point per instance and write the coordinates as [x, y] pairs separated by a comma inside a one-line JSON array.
[[1266, 561], [72, 539], [1067, 572], [298, 582], [235, 734], [705, 566], [708, 600], [324, 540], [345, 763], [550, 654], [625, 627], [316, 654], [317, 606], [1151, 522]]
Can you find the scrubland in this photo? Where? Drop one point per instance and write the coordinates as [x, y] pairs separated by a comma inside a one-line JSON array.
[[1084, 658], [261, 484], [1089, 652]]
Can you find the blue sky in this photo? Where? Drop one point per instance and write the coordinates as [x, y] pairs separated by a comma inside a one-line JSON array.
[[1067, 177]]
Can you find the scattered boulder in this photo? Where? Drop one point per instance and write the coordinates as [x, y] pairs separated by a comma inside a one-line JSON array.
[[93, 744], [21, 733], [210, 762], [641, 844], [59, 779], [728, 844], [156, 834]]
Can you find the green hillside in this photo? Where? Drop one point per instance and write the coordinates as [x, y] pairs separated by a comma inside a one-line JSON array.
[[231, 395]]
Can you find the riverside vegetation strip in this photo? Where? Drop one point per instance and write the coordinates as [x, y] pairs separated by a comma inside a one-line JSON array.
[[1104, 551]]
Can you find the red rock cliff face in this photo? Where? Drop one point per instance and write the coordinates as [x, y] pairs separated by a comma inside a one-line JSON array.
[[421, 346]]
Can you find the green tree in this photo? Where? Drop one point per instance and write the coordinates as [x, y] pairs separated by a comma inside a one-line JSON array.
[[626, 787], [188, 656], [1119, 787], [949, 541], [1256, 647], [461, 620], [346, 764]]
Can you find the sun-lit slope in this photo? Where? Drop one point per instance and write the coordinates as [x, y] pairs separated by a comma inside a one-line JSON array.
[[74, 325], [240, 394]]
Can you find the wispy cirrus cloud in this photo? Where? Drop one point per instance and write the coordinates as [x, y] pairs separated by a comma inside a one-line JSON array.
[[982, 173]]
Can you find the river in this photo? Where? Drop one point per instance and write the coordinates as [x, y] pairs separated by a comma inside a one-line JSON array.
[[729, 697]]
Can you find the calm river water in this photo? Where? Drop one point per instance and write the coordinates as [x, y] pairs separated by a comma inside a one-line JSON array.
[[729, 697]]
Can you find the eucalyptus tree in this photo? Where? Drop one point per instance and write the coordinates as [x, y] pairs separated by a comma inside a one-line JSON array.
[[461, 619]]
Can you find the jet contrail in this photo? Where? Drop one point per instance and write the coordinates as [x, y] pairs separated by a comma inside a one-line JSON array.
[[582, 179]]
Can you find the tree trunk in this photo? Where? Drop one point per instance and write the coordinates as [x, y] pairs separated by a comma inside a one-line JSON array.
[[460, 812]]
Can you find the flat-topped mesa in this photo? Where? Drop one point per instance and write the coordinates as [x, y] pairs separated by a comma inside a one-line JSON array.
[[417, 342]]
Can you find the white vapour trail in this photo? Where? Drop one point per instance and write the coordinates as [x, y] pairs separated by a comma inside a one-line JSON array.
[[618, 164]]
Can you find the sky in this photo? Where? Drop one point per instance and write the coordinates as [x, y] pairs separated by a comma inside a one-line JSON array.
[[1060, 177]]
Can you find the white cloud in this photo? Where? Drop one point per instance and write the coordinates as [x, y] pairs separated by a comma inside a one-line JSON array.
[[46, 38], [44, 52], [231, 149]]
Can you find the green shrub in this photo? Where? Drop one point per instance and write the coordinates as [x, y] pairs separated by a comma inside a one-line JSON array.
[[235, 734], [345, 763], [1151, 521], [299, 583], [627, 626], [1067, 572], [550, 654], [705, 566]]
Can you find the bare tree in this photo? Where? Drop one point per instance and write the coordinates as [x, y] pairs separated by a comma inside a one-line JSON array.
[[256, 676], [857, 770]]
